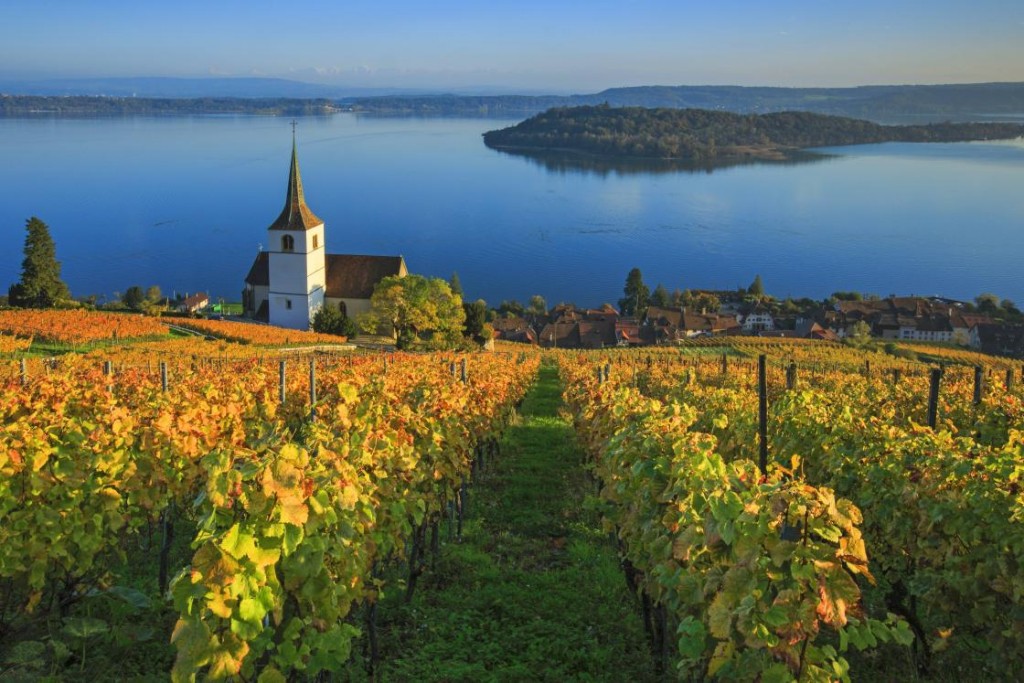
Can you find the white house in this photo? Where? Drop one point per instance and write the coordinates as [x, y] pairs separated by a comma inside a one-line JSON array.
[[289, 282], [758, 319]]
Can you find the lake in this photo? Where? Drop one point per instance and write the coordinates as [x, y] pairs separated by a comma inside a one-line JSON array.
[[185, 202]]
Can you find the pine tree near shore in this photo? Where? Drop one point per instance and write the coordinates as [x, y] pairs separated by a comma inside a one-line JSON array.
[[40, 285]]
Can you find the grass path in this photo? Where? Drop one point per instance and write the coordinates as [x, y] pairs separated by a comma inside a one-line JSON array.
[[534, 591]]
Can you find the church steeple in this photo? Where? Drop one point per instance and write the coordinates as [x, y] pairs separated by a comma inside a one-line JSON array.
[[295, 215]]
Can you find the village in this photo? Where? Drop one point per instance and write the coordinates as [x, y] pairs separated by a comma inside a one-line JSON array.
[[911, 319]]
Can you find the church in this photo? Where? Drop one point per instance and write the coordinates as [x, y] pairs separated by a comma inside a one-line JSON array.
[[289, 282]]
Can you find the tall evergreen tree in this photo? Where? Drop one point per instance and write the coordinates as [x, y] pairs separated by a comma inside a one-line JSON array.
[[40, 285], [636, 295], [456, 285], [756, 287], [476, 317], [660, 297]]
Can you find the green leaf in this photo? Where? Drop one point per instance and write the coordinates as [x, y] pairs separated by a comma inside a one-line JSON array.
[[237, 544], [720, 616], [85, 627], [271, 675], [28, 653], [692, 635], [130, 596], [775, 617], [251, 611], [776, 673], [902, 634]]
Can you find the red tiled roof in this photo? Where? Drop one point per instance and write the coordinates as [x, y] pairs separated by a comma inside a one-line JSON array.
[[352, 276], [597, 333]]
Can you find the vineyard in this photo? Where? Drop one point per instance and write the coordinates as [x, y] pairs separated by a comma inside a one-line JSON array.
[[782, 510], [297, 486], [865, 526]]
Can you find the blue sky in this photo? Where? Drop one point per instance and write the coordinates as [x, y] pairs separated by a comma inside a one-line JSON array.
[[526, 45]]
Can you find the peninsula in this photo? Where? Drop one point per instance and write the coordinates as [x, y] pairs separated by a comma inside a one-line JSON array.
[[709, 137]]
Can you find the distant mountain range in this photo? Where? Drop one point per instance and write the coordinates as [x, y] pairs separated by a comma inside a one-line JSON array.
[[879, 103], [189, 88]]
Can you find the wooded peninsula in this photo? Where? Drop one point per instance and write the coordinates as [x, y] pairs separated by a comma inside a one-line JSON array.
[[704, 136]]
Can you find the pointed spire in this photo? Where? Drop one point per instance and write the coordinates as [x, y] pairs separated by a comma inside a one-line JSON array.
[[295, 215]]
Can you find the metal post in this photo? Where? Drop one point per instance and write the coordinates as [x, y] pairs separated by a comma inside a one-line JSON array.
[[163, 375], [979, 380]]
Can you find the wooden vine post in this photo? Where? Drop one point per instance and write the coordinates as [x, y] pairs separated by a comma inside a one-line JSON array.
[[762, 411]]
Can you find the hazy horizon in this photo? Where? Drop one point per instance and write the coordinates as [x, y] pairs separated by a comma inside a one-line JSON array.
[[529, 47]]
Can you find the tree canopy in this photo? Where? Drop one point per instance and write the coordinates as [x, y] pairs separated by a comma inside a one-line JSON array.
[[330, 320], [538, 306], [756, 287], [420, 311], [701, 301], [660, 297], [636, 295], [476, 318], [456, 284], [40, 285], [704, 135]]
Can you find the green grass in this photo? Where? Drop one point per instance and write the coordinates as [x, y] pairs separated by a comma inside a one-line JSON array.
[[534, 591]]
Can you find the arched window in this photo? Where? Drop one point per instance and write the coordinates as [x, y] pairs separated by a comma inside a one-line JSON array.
[[316, 241], [343, 308], [287, 243]]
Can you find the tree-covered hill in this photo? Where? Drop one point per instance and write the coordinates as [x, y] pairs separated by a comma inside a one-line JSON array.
[[706, 136], [81, 105]]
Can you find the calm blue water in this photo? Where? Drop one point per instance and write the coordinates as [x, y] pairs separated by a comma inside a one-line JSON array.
[[184, 203]]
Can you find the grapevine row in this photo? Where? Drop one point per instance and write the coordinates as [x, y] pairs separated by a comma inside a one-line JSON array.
[[294, 516], [754, 571]]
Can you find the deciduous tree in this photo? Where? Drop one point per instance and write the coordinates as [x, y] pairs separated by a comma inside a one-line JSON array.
[[538, 306], [419, 311], [330, 320], [134, 297]]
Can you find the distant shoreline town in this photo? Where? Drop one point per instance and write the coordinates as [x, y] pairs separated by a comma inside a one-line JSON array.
[[988, 324], [263, 96]]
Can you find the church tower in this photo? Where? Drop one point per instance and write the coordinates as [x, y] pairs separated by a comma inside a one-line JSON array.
[[297, 261]]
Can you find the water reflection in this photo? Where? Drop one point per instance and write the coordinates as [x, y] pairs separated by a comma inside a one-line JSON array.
[[564, 162]]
